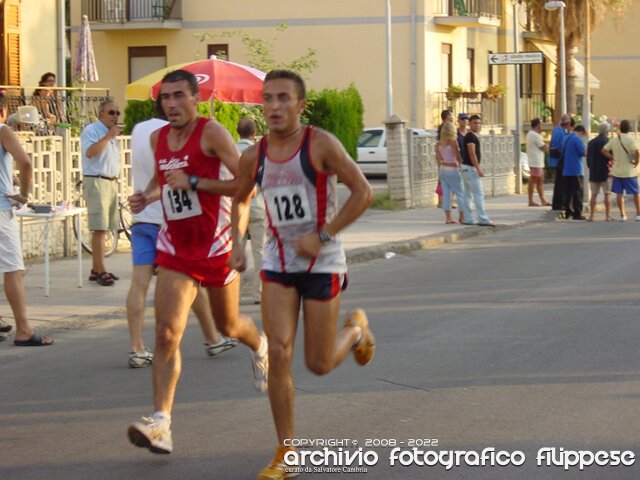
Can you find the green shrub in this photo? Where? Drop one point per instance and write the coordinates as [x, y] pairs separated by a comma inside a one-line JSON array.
[[339, 112], [227, 114], [138, 111]]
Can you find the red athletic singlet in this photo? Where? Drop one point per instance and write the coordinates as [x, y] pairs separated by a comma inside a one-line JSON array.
[[197, 225]]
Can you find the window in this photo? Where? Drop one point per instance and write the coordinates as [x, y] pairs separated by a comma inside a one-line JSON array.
[[146, 60], [369, 139], [10, 65], [446, 66], [220, 50], [471, 67]]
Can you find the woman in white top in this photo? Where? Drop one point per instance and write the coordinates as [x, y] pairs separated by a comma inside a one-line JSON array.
[[449, 160]]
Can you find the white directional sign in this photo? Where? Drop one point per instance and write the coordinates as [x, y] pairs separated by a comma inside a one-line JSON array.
[[515, 58]]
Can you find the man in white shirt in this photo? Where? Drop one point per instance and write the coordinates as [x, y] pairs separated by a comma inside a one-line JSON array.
[[536, 149]]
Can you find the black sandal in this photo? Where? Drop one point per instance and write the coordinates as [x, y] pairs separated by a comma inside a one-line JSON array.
[[93, 277], [105, 279]]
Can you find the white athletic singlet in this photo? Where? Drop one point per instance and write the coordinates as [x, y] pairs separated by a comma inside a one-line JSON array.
[[299, 200]]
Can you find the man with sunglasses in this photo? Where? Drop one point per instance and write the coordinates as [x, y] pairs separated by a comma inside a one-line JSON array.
[[101, 169]]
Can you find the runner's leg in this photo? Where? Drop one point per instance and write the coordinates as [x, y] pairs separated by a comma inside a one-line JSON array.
[[324, 349], [225, 306], [280, 309], [175, 293]]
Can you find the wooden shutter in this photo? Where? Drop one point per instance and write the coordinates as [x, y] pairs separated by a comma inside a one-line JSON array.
[[11, 44]]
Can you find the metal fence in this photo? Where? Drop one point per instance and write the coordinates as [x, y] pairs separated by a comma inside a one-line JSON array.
[[491, 111], [120, 11], [497, 162], [469, 8], [71, 108]]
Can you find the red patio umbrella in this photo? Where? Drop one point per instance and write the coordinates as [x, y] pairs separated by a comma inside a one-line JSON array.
[[223, 81]]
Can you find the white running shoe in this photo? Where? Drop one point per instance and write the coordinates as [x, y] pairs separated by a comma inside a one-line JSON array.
[[223, 345], [152, 433], [139, 360], [260, 365]]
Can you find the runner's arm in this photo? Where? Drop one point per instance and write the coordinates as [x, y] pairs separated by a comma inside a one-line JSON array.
[[335, 159], [240, 207]]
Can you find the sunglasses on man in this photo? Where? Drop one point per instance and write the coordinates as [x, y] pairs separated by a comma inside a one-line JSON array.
[[114, 112]]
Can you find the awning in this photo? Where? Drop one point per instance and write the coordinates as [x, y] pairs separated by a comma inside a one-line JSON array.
[[549, 51]]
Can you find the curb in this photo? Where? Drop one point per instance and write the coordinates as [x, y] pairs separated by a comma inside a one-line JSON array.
[[364, 254]]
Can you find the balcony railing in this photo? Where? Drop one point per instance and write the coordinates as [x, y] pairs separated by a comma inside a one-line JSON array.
[[539, 105], [120, 11], [469, 8], [491, 112]]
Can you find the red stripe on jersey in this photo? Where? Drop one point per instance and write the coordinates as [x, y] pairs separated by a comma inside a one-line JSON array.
[[278, 240]]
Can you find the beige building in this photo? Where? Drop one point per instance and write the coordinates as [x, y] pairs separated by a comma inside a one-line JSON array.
[[615, 60], [30, 44], [434, 43]]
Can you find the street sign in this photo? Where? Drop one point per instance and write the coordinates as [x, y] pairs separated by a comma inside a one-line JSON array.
[[515, 58]]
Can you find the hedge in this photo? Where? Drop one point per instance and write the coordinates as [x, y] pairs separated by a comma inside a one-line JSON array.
[[337, 111]]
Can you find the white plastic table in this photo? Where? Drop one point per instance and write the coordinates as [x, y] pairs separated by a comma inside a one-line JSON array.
[[50, 217]]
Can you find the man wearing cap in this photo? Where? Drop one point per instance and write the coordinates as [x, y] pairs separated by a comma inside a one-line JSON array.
[[558, 136], [463, 129]]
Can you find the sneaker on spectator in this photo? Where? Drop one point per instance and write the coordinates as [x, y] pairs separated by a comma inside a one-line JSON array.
[[260, 364], [139, 360], [223, 345], [152, 433]]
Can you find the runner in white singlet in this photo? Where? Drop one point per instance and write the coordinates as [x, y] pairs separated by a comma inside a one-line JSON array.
[[304, 262]]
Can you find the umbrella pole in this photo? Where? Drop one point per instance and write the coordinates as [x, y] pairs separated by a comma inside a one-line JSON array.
[[212, 107]]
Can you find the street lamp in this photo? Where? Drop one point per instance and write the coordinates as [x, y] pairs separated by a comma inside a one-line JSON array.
[[552, 6]]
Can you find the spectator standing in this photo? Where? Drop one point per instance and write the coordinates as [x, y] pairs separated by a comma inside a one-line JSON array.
[[449, 160], [536, 149], [558, 135], [472, 175], [623, 152], [247, 131], [11, 263], [599, 170], [446, 116], [100, 169], [573, 176]]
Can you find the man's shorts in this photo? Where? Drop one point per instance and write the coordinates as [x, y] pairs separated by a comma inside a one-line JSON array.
[[536, 171], [597, 186], [144, 237], [310, 286], [10, 247], [210, 272], [101, 196], [625, 185]]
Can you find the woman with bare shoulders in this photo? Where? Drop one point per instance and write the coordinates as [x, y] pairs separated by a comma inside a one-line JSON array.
[[449, 160]]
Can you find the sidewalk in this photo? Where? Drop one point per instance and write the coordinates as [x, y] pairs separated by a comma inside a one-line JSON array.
[[373, 235]]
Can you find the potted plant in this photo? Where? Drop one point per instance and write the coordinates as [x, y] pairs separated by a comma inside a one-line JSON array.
[[494, 92], [471, 94], [454, 91]]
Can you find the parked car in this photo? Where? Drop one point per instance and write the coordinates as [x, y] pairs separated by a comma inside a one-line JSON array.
[[372, 150]]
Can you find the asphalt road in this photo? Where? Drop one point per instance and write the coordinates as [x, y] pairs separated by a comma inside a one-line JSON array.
[[518, 341]]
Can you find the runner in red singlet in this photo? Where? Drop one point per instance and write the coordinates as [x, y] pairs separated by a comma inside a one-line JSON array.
[[196, 161], [304, 262]]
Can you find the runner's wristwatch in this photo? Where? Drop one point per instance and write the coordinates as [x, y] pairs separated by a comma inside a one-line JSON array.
[[193, 181], [324, 236]]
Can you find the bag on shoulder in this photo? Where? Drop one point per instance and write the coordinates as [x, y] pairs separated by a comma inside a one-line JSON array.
[[632, 155]]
